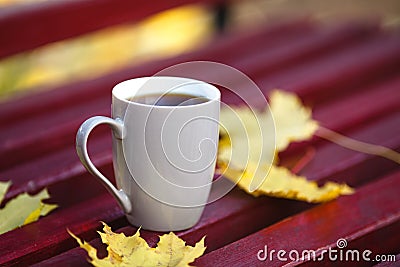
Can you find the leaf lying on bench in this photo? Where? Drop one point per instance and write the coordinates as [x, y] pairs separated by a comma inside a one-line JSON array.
[[246, 130], [280, 182], [134, 251], [292, 120], [23, 209], [3, 189]]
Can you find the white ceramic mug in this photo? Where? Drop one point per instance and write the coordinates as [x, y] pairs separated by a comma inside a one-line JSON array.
[[164, 156]]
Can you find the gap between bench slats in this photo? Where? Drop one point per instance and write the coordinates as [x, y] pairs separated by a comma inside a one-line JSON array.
[[108, 160], [25, 110], [23, 146], [53, 122], [340, 34], [56, 124], [345, 116], [346, 70], [58, 20], [79, 92], [388, 264], [373, 210], [354, 110], [222, 222]]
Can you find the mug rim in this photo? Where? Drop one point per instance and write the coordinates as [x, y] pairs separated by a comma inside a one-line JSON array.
[[211, 93]]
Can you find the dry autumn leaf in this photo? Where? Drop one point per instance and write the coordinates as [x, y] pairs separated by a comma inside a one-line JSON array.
[[259, 175], [284, 184], [134, 250], [23, 209], [3, 189], [257, 136], [293, 121], [251, 134]]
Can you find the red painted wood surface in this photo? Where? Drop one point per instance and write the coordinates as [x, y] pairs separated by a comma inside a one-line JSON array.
[[363, 220], [348, 73], [31, 25]]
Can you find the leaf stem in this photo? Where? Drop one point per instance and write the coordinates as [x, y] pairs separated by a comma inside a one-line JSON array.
[[356, 145]]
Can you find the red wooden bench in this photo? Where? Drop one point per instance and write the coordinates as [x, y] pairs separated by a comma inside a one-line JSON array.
[[348, 73]]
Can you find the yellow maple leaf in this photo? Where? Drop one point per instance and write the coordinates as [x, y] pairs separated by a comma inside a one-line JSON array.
[[134, 250], [280, 182], [293, 121], [251, 135], [3, 189], [23, 209], [247, 133]]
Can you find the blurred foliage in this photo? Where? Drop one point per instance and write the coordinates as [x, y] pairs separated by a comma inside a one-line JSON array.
[[164, 34], [17, 2]]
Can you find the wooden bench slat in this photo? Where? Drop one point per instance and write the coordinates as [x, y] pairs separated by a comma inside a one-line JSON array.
[[347, 117], [310, 45], [47, 130], [223, 216], [335, 73], [55, 167], [237, 209], [372, 209], [353, 167], [349, 73], [340, 72], [48, 164], [374, 101], [30, 26], [46, 119], [74, 94], [47, 133], [372, 110], [388, 263], [32, 105], [38, 241]]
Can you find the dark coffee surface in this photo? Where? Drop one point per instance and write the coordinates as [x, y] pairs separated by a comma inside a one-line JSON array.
[[169, 100]]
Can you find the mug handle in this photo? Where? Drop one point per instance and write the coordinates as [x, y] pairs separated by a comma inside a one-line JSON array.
[[81, 148]]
